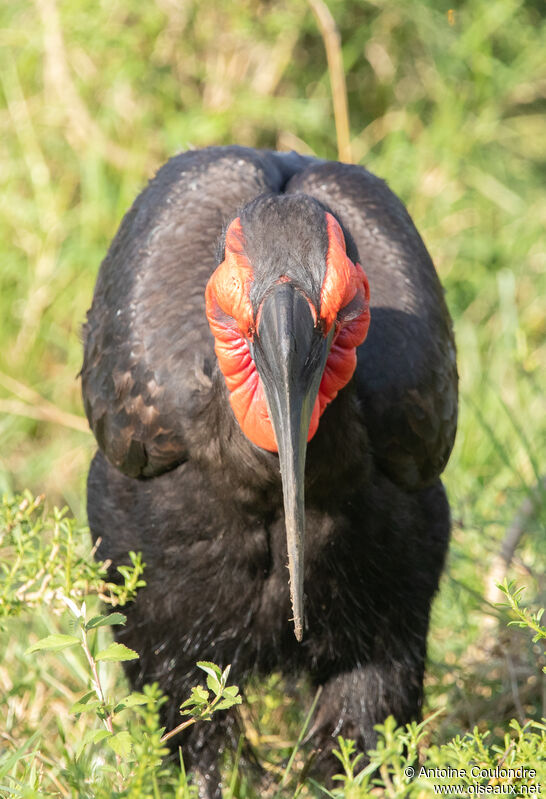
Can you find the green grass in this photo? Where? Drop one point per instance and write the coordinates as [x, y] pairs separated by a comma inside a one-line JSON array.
[[448, 107]]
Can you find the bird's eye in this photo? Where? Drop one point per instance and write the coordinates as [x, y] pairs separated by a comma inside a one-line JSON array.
[[352, 310]]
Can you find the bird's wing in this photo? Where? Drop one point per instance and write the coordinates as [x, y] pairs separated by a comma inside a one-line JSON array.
[[148, 350], [406, 377]]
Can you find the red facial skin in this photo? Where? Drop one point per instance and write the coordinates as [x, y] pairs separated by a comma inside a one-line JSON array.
[[231, 320]]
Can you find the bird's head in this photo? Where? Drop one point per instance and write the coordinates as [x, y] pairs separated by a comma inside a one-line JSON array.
[[287, 306]]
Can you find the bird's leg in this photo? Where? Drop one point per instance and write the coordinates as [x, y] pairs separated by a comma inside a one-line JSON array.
[[353, 702], [200, 747], [207, 783], [379, 672]]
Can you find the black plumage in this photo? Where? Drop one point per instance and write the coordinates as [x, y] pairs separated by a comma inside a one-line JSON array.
[[176, 478]]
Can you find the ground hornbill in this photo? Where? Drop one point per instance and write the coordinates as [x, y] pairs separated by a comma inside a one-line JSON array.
[[248, 421]]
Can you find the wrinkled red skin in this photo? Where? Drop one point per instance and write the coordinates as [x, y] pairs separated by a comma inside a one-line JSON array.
[[231, 320]]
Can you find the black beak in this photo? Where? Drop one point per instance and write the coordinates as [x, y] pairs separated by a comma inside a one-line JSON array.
[[290, 354]]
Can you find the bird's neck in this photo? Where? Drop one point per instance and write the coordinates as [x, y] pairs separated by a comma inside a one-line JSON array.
[[338, 456]]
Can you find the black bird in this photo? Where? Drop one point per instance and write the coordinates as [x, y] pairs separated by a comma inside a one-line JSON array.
[[244, 414]]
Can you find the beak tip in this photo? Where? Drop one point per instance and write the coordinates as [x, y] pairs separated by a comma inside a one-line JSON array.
[[297, 620]]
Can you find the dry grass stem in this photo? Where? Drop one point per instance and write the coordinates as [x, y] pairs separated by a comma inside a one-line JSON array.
[[332, 43], [82, 128], [34, 406], [510, 542], [44, 413]]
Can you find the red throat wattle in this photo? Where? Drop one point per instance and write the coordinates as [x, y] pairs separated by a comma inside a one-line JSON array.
[[344, 303]]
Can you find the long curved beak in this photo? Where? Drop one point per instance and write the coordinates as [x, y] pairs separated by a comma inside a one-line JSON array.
[[290, 355]]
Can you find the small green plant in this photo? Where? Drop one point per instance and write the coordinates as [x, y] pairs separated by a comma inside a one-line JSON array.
[[42, 568], [43, 562], [111, 743], [202, 703], [468, 764], [391, 766], [121, 737], [94, 701], [524, 617]]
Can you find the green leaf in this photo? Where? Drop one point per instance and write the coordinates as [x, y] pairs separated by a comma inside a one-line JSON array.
[[135, 699], [86, 697], [224, 704], [54, 643], [131, 701], [121, 743], [225, 674], [116, 652], [199, 694], [84, 703], [198, 699], [92, 737], [78, 708], [103, 621], [213, 684], [210, 668]]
